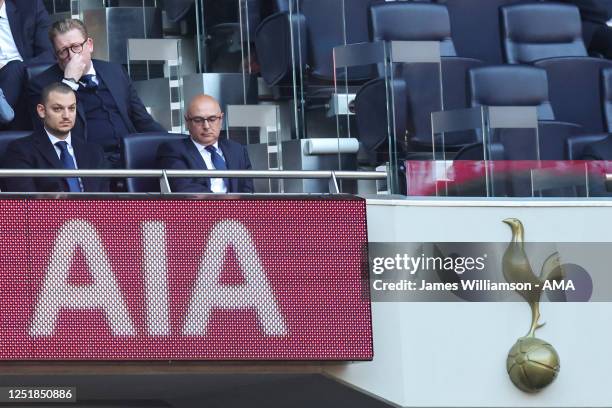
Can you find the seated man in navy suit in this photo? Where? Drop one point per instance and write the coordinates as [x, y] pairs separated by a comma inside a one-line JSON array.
[[205, 151], [24, 42], [108, 106], [54, 147]]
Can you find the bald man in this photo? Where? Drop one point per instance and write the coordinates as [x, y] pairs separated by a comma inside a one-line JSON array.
[[203, 150]]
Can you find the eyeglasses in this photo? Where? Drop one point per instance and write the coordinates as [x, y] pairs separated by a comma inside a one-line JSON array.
[[75, 48], [199, 120]]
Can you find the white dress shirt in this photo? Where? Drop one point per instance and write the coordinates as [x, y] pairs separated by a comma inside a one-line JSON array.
[[58, 151], [217, 185], [8, 48]]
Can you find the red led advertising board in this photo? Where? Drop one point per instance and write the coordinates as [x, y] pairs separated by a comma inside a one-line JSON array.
[[268, 279]]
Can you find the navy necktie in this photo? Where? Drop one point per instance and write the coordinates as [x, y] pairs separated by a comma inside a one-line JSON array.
[[74, 186], [88, 82], [217, 161]]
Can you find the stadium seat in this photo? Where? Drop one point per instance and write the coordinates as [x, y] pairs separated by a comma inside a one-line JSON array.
[[319, 25], [7, 137], [511, 85], [36, 69], [140, 150], [548, 35], [576, 145], [475, 25], [541, 30], [515, 85], [416, 88], [475, 151]]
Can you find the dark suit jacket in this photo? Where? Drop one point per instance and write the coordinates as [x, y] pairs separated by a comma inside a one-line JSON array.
[[37, 152], [130, 107], [29, 24], [183, 155]]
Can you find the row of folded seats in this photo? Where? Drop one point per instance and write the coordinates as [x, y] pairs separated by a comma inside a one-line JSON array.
[[493, 53]]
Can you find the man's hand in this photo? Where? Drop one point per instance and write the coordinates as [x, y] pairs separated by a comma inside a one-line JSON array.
[[75, 67]]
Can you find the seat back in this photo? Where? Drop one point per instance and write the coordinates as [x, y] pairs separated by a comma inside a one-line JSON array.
[[35, 69], [511, 85], [541, 30], [576, 145], [331, 23], [402, 21], [140, 150], [6, 137], [475, 26], [575, 90]]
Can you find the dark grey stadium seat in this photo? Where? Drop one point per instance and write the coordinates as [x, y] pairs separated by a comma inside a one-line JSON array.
[[537, 31], [576, 145], [140, 150], [517, 85], [475, 25], [7, 137], [320, 26], [416, 86], [548, 35]]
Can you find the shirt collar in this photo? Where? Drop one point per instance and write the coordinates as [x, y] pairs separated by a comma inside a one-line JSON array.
[[3, 10], [54, 139], [91, 71], [201, 147]]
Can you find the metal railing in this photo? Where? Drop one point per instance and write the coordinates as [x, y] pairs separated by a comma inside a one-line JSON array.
[[163, 175]]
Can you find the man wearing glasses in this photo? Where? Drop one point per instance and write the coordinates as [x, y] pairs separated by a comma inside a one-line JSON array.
[[108, 106], [203, 150]]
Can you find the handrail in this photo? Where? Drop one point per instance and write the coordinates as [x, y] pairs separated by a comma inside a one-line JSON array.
[[289, 174], [163, 175]]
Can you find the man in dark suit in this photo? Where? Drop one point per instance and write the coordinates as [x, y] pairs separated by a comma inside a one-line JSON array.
[[24, 42], [108, 106], [54, 147], [205, 151]]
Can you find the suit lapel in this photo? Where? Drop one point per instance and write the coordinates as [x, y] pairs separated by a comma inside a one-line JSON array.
[[83, 162], [46, 149], [80, 153], [15, 23], [196, 158], [194, 155]]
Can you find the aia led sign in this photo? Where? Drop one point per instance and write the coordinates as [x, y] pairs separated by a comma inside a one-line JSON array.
[[184, 279]]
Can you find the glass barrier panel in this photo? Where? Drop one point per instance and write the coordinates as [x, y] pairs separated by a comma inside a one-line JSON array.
[[512, 178], [344, 105], [258, 127], [161, 95], [502, 133]]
